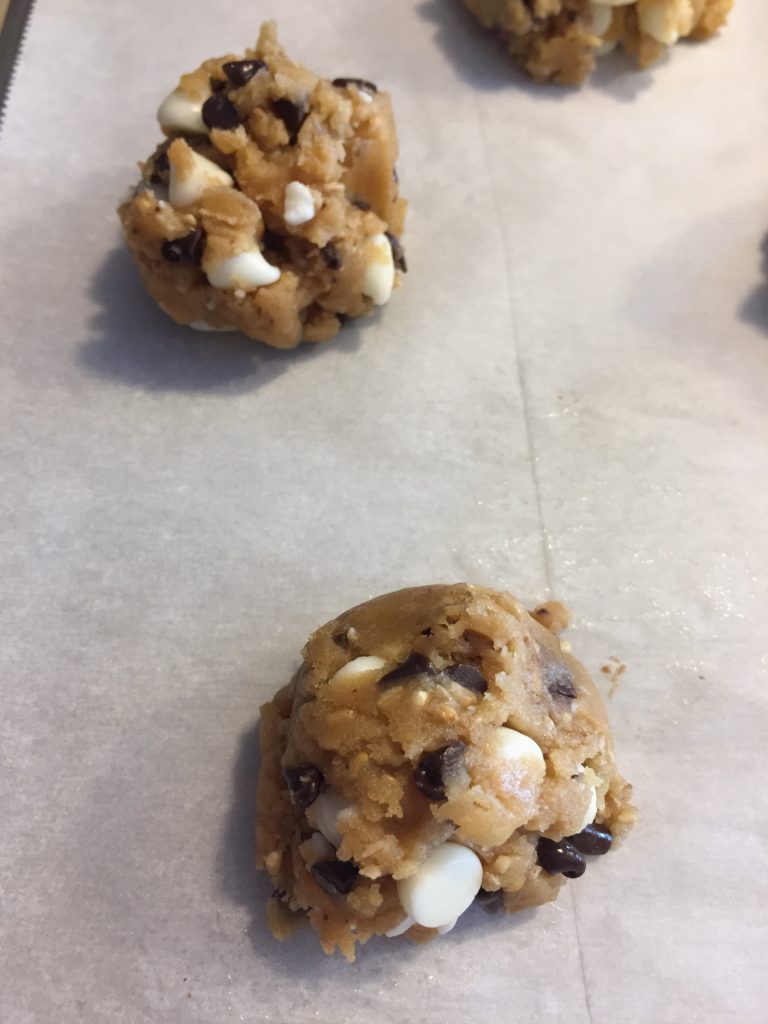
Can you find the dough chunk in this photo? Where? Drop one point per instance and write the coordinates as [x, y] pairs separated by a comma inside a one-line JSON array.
[[437, 746], [559, 40], [272, 207]]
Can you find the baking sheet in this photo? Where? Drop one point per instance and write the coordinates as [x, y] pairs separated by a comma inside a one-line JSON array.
[[568, 398]]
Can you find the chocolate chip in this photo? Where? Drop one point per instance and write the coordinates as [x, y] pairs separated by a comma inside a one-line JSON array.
[[241, 71], [558, 679], [335, 877], [414, 665], [274, 242], [561, 858], [305, 783], [340, 638], [433, 768], [491, 902], [293, 115], [219, 112], [188, 249], [593, 840], [161, 166], [332, 256], [398, 252], [361, 83], [467, 676], [218, 85], [361, 205]]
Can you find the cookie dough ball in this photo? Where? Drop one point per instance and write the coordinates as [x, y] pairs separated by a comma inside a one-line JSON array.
[[272, 207], [559, 40], [437, 747]]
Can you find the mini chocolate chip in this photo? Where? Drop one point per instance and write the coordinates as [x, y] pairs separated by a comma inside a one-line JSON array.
[[332, 256], [160, 164], [361, 83], [342, 318], [335, 877], [293, 115], [274, 242], [491, 902], [558, 679], [361, 204], [341, 639], [398, 252], [305, 783], [241, 71], [414, 665], [593, 840], [188, 249], [218, 85], [561, 858], [431, 771], [467, 676], [219, 112], [426, 632]]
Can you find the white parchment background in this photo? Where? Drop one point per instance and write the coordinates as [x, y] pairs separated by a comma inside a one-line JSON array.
[[569, 398]]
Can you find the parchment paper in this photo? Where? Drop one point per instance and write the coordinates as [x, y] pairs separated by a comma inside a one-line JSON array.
[[568, 398]]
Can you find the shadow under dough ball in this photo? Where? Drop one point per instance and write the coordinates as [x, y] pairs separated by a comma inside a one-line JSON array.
[[437, 747], [272, 206]]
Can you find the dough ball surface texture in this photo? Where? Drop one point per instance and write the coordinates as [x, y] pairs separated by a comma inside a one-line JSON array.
[[561, 40], [438, 746], [272, 206]]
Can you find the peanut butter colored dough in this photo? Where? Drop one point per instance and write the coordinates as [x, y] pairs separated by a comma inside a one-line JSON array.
[[272, 208], [559, 40], [436, 746]]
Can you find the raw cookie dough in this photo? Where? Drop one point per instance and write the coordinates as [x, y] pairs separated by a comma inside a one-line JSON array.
[[272, 207], [558, 40], [438, 746]]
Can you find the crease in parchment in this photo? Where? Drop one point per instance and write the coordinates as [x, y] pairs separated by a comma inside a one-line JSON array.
[[532, 460], [521, 377]]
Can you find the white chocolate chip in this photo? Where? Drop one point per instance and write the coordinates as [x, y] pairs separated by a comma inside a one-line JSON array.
[[379, 274], [324, 814], [664, 21], [187, 187], [299, 205], [203, 325], [357, 670], [519, 752], [321, 848], [443, 887], [602, 16], [591, 811], [400, 929], [180, 112], [246, 271]]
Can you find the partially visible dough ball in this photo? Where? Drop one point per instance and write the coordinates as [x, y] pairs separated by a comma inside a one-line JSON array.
[[272, 207], [559, 40], [438, 746]]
